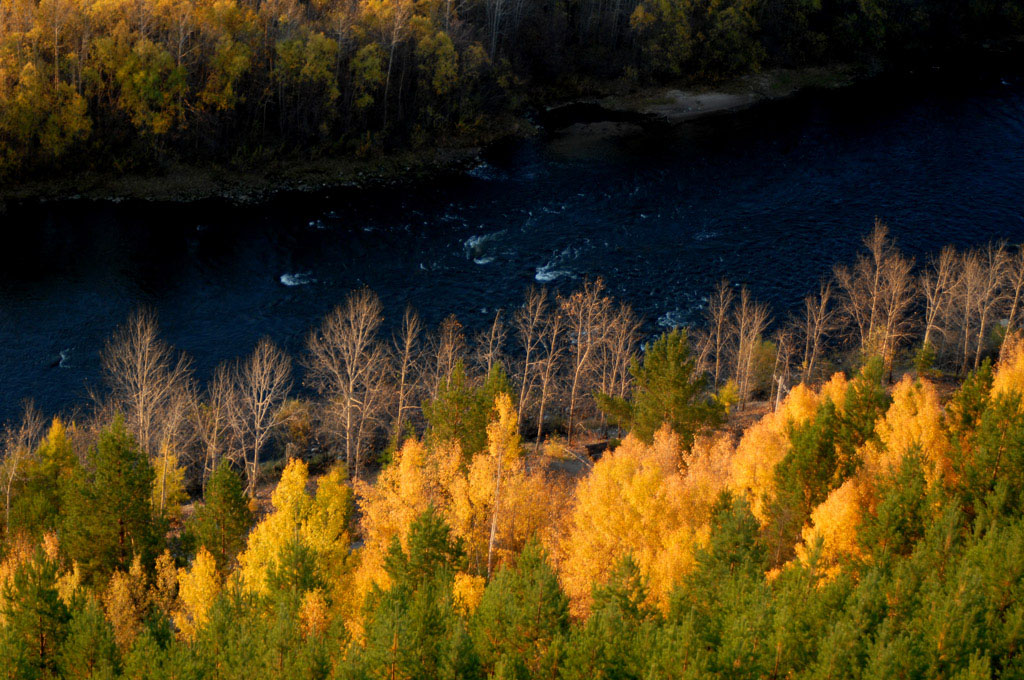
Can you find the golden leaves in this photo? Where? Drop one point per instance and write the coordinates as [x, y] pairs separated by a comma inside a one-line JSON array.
[[198, 587], [637, 501]]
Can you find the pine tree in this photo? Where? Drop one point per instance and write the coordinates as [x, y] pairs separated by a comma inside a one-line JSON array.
[[108, 516], [667, 388], [35, 620], [37, 506], [89, 651], [615, 641], [522, 611], [222, 522], [412, 629], [460, 412]]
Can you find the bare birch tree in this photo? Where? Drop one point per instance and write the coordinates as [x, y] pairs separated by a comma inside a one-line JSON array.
[[529, 323], [877, 295], [344, 362], [817, 322], [213, 420], [750, 320], [447, 347], [490, 343], [1014, 289], [937, 283], [993, 261], [550, 360], [406, 357], [147, 380], [719, 330], [585, 312], [262, 381]]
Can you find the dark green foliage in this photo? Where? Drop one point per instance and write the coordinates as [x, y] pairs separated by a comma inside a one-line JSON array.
[[108, 516], [899, 520], [295, 571], [89, 651], [460, 411], [35, 620], [222, 522], [666, 389], [924, 360], [719, 616], [803, 479], [615, 641], [413, 629], [522, 611], [866, 400], [37, 504], [998, 453]]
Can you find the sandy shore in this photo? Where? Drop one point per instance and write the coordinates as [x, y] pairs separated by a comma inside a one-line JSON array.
[[674, 105]]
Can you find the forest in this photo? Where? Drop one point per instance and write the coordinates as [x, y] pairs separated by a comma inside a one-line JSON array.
[[833, 495], [138, 84]]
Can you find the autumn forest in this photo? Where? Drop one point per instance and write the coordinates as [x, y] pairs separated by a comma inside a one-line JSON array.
[[836, 494], [126, 85]]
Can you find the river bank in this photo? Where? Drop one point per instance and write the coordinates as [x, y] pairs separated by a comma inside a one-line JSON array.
[[575, 121]]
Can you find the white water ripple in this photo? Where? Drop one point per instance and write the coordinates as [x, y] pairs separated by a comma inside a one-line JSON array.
[[297, 279]]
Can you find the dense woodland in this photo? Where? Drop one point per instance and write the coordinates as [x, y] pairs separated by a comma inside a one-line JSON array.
[[139, 83], [841, 498]]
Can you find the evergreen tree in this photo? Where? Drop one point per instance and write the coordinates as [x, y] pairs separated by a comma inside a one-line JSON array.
[[460, 412], [412, 629], [37, 505], [666, 389], [615, 641], [222, 522], [108, 514], [522, 611], [89, 651], [34, 620]]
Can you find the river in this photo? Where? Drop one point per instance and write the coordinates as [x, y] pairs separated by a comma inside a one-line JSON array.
[[771, 197]]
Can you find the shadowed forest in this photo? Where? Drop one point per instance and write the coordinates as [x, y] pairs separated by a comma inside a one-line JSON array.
[[833, 495], [137, 84]]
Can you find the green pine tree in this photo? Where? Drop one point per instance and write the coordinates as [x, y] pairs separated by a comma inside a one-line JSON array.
[[222, 522], [108, 518], [413, 629], [35, 621], [522, 611], [666, 389], [89, 651], [460, 412]]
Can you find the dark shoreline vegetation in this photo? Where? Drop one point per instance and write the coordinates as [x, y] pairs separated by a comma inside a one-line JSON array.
[[838, 494], [325, 90]]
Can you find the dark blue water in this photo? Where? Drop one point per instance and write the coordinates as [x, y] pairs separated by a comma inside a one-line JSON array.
[[771, 197]]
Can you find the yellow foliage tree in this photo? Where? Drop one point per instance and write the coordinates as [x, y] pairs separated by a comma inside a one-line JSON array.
[[766, 442], [314, 613], [468, 590], [1009, 375], [498, 501], [168, 484], [913, 421], [834, 524], [636, 501], [124, 603], [163, 589], [404, 490], [320, 523], [198, 587]]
